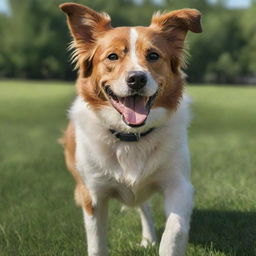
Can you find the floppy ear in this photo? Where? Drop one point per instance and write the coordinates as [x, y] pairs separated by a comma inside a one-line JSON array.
[[84, 24], [179, 21], [174, 27]]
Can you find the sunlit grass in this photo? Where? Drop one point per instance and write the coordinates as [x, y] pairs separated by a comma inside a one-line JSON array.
[[37, 212]]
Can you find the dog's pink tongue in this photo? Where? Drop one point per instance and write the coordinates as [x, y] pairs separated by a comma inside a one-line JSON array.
[[134, 110]]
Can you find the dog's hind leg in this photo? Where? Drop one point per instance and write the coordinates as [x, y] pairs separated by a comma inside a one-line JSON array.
[[148, 229], [82, 195]]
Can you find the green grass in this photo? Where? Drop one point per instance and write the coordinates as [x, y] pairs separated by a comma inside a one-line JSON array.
[[37, 212]]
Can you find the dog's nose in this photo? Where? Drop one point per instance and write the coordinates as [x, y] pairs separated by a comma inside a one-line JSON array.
[[136, 79]]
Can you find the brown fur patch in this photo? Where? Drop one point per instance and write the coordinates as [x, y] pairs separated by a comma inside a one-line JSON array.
[[174, 27], [91, 88], [170, 82], [82, 196], [184, 19]]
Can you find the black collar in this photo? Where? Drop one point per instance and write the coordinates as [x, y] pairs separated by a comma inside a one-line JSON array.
[[130, 137]]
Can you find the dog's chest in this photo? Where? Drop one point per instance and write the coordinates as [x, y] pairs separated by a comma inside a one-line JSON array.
[[124, 170], [128, 170], [125, 162], [107, 164]]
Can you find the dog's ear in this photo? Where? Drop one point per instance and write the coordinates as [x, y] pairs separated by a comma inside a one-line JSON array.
[[174, 27], [178, 22], [84, 24]]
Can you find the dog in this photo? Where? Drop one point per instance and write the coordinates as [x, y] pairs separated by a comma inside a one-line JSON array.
[[127, 135]]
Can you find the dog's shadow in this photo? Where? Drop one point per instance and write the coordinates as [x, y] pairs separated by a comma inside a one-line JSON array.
[[229, 232]]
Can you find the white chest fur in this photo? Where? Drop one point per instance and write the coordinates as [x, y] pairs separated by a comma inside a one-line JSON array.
[[131, 168]]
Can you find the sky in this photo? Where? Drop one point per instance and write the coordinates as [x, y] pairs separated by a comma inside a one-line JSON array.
[[3, 6], [230, 3], [236, 3]]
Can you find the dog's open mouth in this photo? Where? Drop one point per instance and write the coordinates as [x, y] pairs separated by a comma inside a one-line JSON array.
[[134, 109]]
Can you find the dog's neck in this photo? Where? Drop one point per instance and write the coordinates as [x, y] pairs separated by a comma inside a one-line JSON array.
[[130, 137]]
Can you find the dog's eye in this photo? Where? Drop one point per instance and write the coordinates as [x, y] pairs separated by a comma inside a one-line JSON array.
[[113, 56], [152, 56]]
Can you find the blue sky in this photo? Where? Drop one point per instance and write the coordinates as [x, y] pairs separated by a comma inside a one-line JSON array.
[[3, 5], [230, 3], [236, 3]]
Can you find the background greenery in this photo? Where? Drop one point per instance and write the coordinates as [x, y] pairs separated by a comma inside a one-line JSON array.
[[34, 38], [37, 212]]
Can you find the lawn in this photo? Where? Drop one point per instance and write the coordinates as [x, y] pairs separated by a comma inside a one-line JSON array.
[[37, 212]]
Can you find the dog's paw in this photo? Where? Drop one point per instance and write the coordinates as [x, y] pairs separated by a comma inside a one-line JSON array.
[[147, 243], [124, 208]]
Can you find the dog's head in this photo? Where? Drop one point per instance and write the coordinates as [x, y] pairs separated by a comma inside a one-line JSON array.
[[132, 69]]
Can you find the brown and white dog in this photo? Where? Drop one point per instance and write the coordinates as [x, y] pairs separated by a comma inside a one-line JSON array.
[[127, 136]]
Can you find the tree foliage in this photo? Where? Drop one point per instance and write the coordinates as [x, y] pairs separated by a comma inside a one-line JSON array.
[[34, 38]]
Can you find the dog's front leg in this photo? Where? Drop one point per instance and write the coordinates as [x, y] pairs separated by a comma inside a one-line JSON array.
[[96, 227], [178, 202]]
